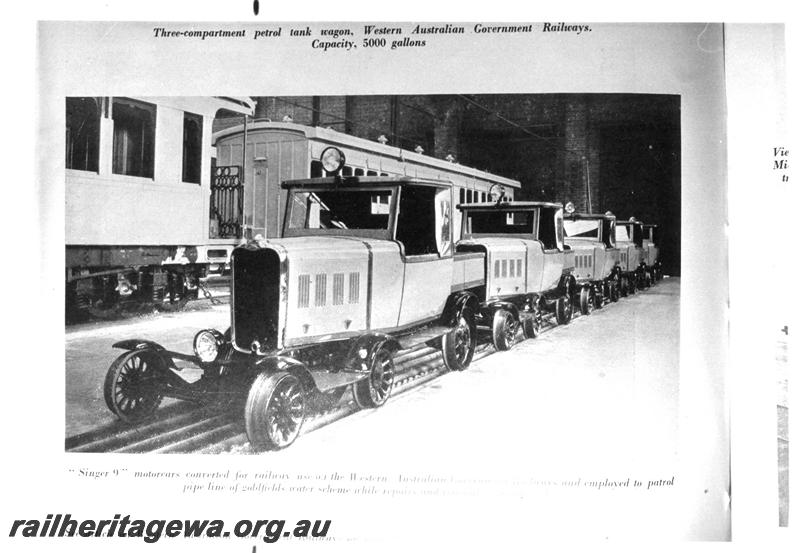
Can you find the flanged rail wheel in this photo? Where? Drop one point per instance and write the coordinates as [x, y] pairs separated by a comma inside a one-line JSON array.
[[532, 325], [133, 387], [598, 297], [458, 345], [504, 329], [587, 300], [275, 410], [564, 305], [374, 390]]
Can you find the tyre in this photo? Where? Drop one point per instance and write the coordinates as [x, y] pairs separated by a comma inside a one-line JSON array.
[[458, 345], [133, 386], [587, 300], [504, 329], [275, 410], [374, 390]]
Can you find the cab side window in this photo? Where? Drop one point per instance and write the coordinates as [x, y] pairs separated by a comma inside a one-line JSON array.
[[416, 220], [547, 228]]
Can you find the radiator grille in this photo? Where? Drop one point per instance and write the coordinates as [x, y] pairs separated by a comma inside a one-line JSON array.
[[338, 289], [354, 287], [303, 290], [321, 281]]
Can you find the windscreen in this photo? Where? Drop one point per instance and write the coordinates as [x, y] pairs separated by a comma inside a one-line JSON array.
[[500, 222], [341, 209], [581, 228]]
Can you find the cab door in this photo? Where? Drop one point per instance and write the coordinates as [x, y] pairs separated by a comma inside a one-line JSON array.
[[424, 231], [551, 235]]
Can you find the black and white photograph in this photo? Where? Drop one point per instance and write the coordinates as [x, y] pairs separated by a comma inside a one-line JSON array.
[[366, 284]]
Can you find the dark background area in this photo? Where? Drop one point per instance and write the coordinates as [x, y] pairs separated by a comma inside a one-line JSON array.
[[603, 152]]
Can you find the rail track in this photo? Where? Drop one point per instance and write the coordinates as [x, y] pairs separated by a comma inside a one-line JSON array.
[[183, 427]]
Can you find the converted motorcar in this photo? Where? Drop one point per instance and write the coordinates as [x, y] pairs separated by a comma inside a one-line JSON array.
[[650, 240], [592, 237], [631, 256], [528, 268], [365, 267]]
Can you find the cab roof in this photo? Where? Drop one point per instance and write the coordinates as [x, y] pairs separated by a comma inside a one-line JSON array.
[[507, 206], [594, 216], [353, 182]]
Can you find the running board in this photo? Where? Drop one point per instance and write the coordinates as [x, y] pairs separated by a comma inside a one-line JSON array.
[[422, 336]]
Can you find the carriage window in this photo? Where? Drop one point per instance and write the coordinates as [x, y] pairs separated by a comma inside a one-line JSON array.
[[380, 204], [359, 172], [461, 195], [372, 174], [192, 147], [83, 134], [316, 169], [134, 138], [347, 171]]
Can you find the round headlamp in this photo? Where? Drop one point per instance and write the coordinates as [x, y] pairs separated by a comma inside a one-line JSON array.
[[207, 344], [497, 192], [569, 208], [332, 159]]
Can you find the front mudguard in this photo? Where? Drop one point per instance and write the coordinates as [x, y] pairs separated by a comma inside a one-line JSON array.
[[456, 304]]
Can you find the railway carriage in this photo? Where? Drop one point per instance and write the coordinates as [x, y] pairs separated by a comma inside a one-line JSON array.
[[137, 173], [365, 267], [155, 201], [593, 239], [266, 153], [528, 268], [632, 255]]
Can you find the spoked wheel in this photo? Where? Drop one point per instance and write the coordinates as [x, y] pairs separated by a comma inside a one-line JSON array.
[[532, 325], [458, 345], [504, 329], [133, 386], [275, 410], [374, 390], [587, 300]]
